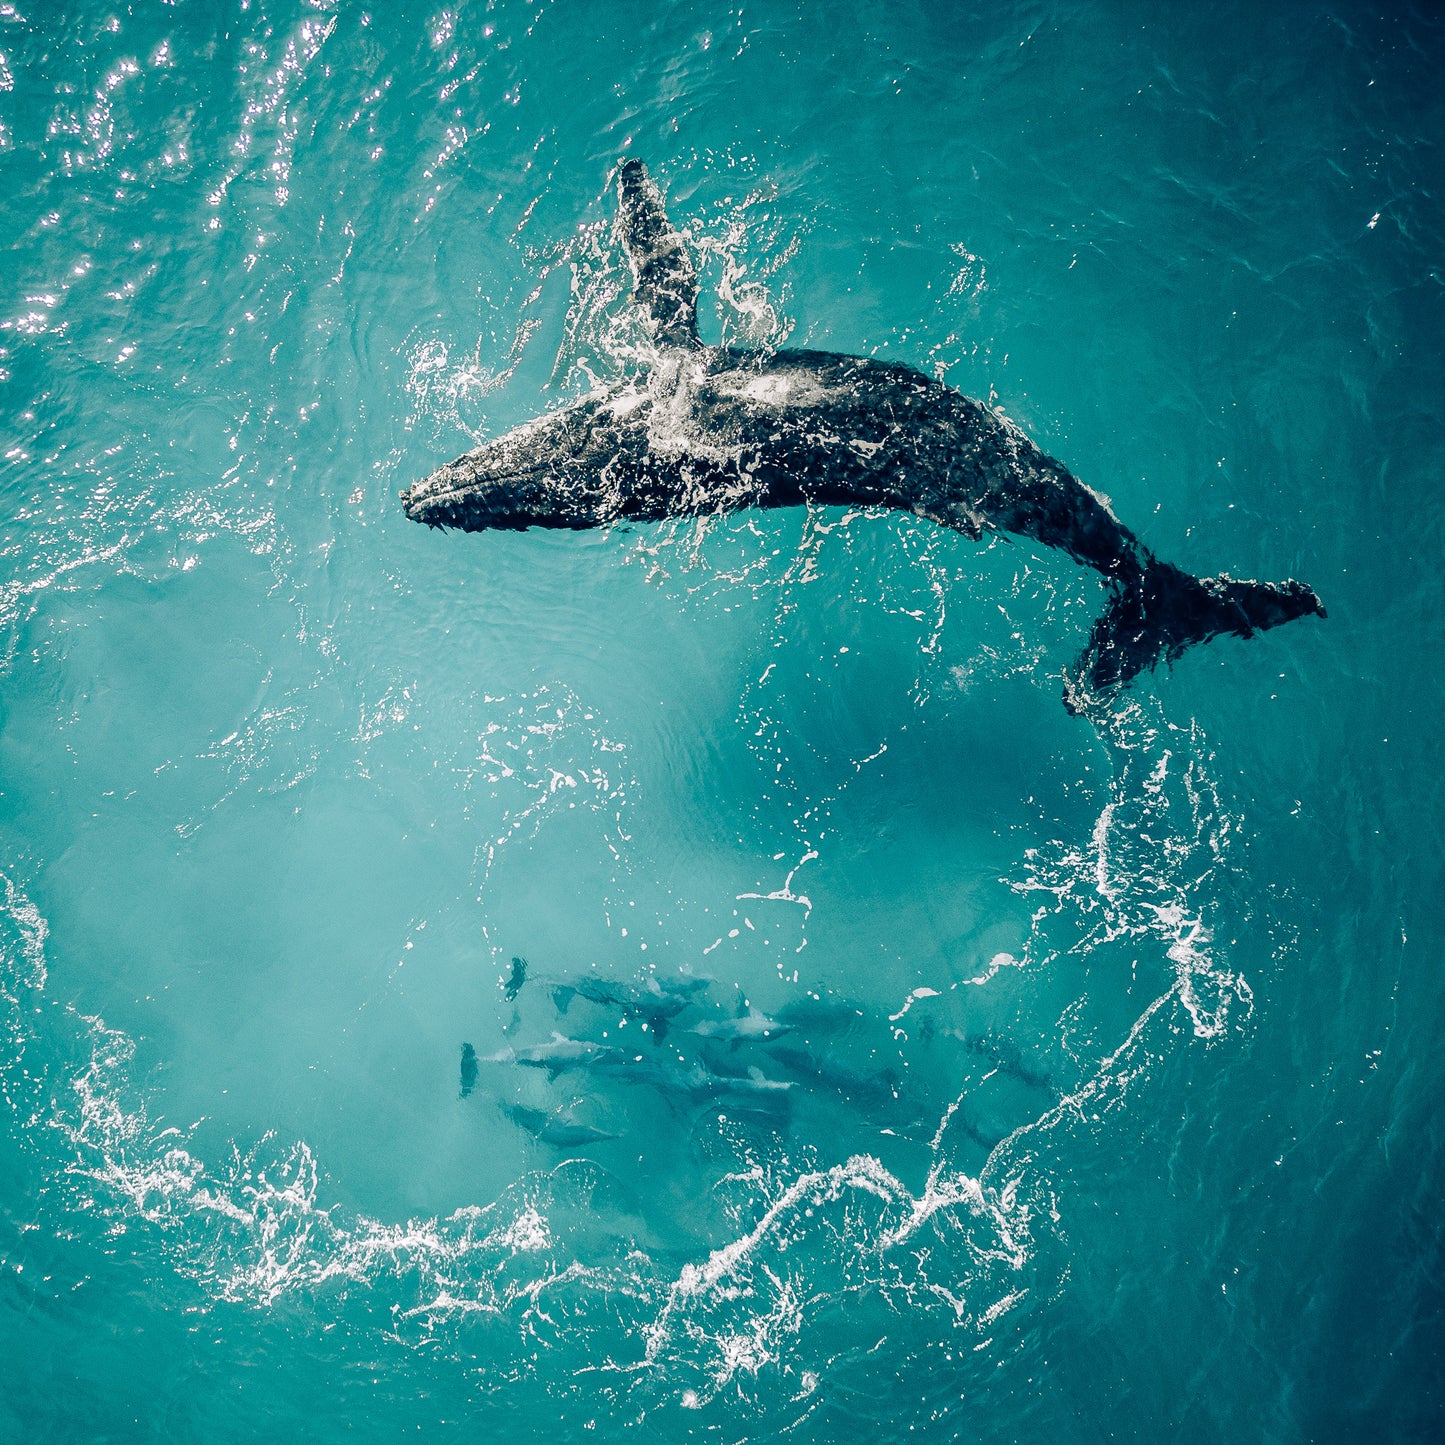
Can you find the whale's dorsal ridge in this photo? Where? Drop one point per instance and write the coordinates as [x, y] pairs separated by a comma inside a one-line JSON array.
[[664, 279]]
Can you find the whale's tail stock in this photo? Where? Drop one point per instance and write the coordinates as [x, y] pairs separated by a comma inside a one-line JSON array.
[[1167, 610]]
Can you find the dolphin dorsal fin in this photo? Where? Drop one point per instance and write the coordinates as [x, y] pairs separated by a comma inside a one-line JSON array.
[[665, 282]]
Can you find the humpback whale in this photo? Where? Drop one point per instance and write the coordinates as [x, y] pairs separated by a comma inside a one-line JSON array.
[[711, 429]]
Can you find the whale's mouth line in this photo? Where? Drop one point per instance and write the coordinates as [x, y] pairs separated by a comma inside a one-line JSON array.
[[415, 496]]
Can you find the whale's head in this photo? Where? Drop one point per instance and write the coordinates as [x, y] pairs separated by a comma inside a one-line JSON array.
[[572, 468]]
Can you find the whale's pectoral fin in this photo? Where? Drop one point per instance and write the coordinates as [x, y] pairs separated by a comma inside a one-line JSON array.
[[665, 282], [1167, 611]]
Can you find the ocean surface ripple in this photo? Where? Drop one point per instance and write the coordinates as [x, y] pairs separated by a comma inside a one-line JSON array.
[[942, 1065]]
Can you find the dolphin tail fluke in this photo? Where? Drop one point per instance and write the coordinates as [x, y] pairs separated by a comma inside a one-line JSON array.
[[1166, 611]]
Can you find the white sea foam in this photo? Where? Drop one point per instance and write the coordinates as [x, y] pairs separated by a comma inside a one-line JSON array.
[[255, 1229]]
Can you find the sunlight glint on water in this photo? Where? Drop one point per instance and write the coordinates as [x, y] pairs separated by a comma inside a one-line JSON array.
[[1105, 1059]]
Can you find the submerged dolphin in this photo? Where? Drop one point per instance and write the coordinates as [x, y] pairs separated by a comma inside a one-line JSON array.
[[713, 429], [747, 1026], [556, 1056], [469, 1069], [560, 1127], [513, 986], [651, 1002]]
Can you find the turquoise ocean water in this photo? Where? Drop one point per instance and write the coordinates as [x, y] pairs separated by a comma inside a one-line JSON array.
[[1114, 1066]]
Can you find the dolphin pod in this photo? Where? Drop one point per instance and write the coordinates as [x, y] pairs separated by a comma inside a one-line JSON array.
[[730, 1056], [711, 429]]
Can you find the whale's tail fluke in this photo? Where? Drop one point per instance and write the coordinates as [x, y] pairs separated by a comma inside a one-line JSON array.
[[1166, 611]]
